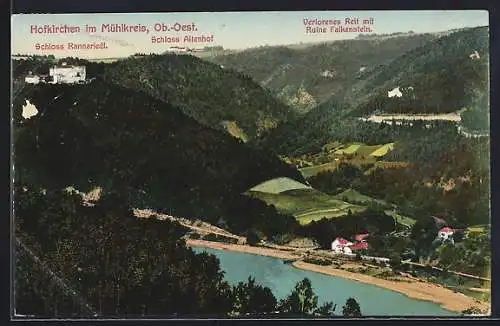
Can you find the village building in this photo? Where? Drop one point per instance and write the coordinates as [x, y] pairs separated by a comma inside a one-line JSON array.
[[67, 74], [63, 74], [32, 79], [341, 246], [394, 93], [474, 55], [446, 233]]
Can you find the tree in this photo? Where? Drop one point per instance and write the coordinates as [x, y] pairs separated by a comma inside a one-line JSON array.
[[253, 298], [302, 300], [252, 237], [395, 263], [351, 308]]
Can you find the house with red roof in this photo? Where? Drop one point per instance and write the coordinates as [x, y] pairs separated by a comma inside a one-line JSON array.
[[341, 246], [446, 233], [359, 246]]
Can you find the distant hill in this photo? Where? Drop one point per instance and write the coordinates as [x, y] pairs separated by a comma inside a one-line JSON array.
[[124, 140], [304, 76], [444, 75], [202, 90]]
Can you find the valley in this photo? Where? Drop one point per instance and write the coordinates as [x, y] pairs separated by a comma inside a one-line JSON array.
[[365, 159]]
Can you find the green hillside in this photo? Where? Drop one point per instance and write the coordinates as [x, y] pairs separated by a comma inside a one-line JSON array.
[[202, 90], [121, 139]]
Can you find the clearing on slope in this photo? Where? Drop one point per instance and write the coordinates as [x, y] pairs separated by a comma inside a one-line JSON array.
[[279, 185]]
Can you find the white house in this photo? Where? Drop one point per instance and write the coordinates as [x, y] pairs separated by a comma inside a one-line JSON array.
[[395, 92], [341, 246], [66, 74], [445, 233], [474, 55], [32, 79], [327, 73]]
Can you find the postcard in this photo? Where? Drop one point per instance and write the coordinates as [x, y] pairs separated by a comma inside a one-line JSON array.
[[306, 164]]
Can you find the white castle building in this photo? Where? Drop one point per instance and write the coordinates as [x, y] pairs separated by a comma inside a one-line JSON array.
[[63, 74]]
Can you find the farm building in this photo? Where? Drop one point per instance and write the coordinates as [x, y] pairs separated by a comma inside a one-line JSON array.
[[341, 246], [32, 79], [66, 74]]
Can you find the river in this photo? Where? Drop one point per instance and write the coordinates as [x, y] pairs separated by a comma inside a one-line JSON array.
[[281, 278]]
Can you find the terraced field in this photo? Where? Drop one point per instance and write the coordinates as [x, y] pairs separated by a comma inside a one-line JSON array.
[[355, 153], [313, 170]]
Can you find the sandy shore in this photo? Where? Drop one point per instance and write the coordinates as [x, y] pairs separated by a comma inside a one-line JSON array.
[[413, 289], [269, 252], [419, 290]]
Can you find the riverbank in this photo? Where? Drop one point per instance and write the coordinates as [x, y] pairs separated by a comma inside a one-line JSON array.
[[415, 289], [412, 288]]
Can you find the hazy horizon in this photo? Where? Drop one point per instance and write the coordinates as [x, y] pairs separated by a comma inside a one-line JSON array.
[[230, 30]]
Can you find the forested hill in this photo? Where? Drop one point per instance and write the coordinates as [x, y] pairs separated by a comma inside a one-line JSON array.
[[306, 75], [202, 90], [442, 76], [124, 140], [445, 75]]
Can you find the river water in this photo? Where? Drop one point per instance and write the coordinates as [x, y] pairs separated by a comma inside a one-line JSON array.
[[281, 278]]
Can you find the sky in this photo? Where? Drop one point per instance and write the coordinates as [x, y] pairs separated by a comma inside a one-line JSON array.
[[232, 30]]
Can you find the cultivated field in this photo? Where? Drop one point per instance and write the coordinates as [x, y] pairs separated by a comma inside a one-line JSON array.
[[307, 204], [335, 153]]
